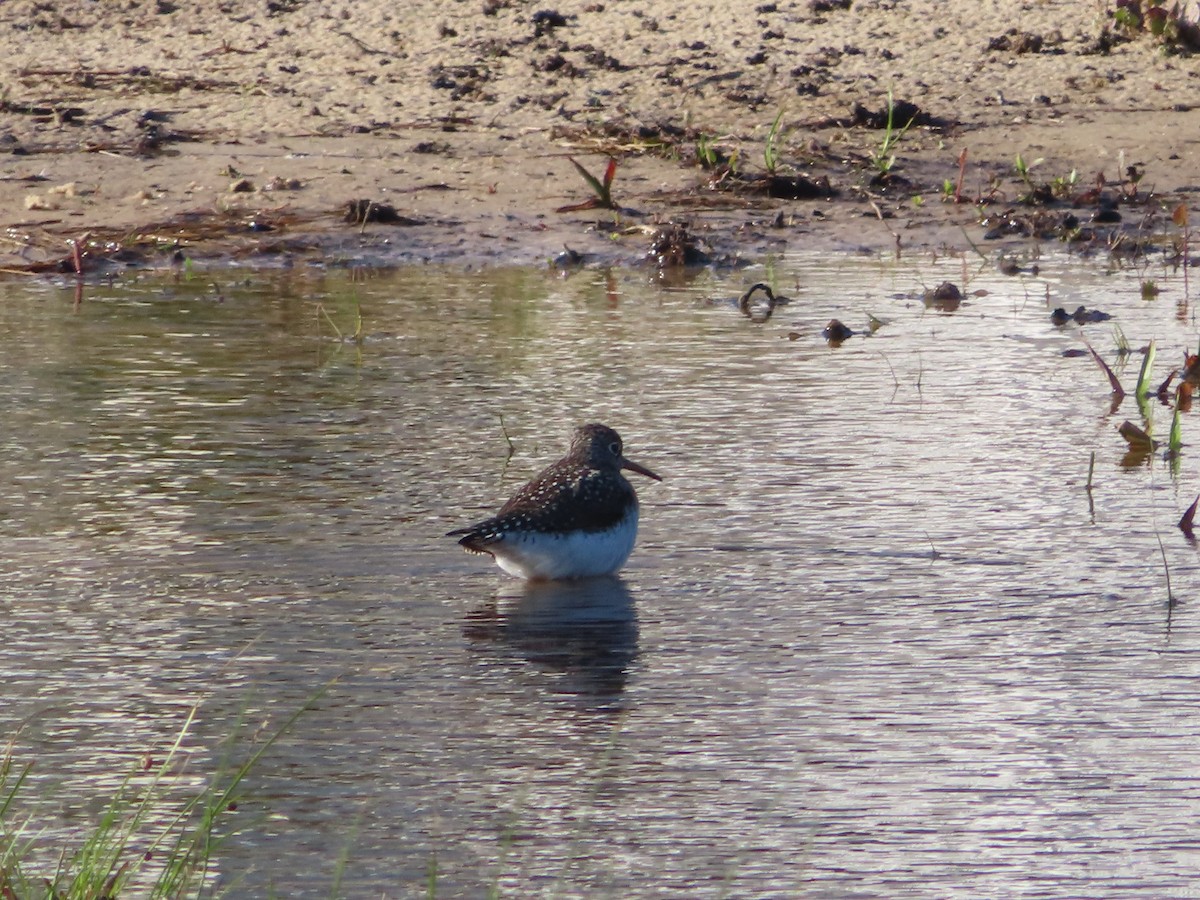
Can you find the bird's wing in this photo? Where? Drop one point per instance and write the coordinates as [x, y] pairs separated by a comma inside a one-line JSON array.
[[553, 503]]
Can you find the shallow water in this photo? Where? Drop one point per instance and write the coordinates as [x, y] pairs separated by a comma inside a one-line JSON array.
[[877, 638]]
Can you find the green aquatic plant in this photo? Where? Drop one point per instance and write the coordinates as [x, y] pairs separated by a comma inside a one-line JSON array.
[[1122, 342], [116, 854], [1175, 440], [1143, 382], [357, 336]]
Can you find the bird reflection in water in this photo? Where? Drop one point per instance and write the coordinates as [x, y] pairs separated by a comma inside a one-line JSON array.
[[585, 632]]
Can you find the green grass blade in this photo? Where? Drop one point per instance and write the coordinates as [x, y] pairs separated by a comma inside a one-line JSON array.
[[771, 147], [96, 869], [114, 852], [1143, 382], [195, 848], [1122, 342]]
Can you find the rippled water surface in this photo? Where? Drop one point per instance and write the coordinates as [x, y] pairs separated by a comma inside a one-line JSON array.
[[877, 639]]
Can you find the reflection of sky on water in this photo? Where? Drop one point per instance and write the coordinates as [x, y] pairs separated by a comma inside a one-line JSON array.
[[874, 637]]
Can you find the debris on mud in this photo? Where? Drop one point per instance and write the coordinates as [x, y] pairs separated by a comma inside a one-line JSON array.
[[824, 6], [759, 310], [1136, 437], [1081, 316], [546, 20], [568, 259], [360, 212], [946, 296], [775, 186], [1016, 41], [673, 246], [947, 290], [495, 76], [1187, 522], [902, 114], [1042, 225], [836, 332], [235, 234], [620, 134]]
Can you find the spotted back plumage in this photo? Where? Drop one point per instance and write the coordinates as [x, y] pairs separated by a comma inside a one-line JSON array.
[[584, 492]]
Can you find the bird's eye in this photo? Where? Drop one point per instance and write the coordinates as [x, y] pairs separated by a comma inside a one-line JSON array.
[[615, 448]]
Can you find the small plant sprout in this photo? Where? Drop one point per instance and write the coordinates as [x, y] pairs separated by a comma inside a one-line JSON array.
[[602, 188], [771, 148], [706, 151], [1024, 168], [884, 156], [1143, 382], [1122, 342], [1062, 185], [735, 159], [1150, 290], [1175, 440]]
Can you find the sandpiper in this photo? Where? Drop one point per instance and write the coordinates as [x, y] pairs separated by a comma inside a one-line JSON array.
[[576, 519]]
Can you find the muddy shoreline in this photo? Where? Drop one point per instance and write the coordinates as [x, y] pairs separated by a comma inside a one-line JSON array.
[[369, 134]]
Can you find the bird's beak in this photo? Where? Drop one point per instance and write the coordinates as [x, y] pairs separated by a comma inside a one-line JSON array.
[[641, 470]]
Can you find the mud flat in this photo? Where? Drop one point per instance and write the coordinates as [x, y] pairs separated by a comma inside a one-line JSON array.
[[145, 131]]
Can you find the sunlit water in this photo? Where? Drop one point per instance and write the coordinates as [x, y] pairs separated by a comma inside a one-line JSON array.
[[877, 638]]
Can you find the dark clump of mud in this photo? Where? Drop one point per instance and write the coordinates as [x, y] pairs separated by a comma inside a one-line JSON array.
[[674, 246], [360, 212]]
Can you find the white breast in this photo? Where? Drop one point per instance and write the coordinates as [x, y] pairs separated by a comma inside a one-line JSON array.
[[539, 556]]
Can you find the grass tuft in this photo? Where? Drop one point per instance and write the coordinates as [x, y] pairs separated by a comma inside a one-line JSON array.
[[113, 859], [883, 158], [771, 148]]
